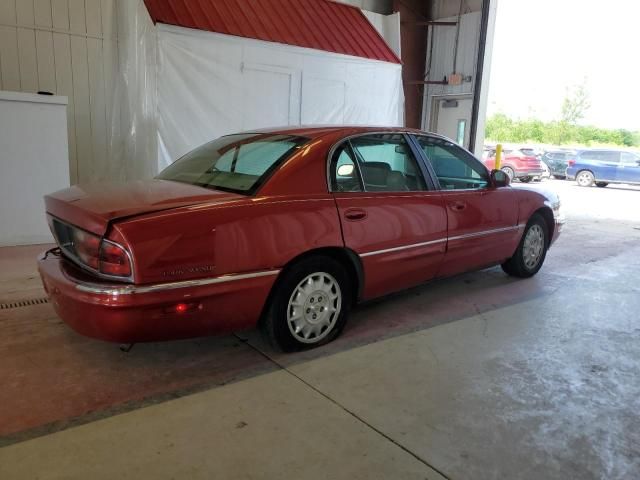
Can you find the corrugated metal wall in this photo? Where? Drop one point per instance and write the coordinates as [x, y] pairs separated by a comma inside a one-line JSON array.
[[67, 47]]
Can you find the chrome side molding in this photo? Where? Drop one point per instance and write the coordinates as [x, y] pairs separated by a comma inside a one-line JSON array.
[[116, 290]]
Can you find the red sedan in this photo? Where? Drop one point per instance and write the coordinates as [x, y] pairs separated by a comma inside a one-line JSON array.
[[287, 229], [516, 164]]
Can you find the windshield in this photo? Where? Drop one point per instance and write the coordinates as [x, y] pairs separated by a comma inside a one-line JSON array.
[[236, 163]]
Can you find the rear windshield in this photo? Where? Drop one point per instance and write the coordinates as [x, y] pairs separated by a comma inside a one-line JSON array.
[[235, 163]]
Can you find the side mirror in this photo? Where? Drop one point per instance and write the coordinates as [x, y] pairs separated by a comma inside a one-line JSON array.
[[499, 179]]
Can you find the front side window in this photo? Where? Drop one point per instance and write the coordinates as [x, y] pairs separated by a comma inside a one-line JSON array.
[[455, 168], [236, 163], [386, 163]]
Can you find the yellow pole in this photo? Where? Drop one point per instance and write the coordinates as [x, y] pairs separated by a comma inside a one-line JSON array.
[[498, 156]]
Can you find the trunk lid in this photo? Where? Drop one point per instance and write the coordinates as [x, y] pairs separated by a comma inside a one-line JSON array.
[[92, 207]]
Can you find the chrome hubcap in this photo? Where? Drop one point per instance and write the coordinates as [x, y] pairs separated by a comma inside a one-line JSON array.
[[533, 246], [509, 172], [314, 307], [584, 179]]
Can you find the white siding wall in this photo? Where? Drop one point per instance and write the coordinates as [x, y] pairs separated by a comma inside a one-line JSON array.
[[67, 47]]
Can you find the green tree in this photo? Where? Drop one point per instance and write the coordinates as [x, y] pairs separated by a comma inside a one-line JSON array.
[[501, 128], [575, 105]]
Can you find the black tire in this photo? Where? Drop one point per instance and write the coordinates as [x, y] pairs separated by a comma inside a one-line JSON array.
[[516, 266], [525, 179], [601, 184], [560, 177], [276, 322]]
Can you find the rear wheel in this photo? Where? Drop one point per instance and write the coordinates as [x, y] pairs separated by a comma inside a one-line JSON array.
[[526, 179], [601, 184], [531, 251], [310, 304], [560, 177], [509, 171], [585, 178]]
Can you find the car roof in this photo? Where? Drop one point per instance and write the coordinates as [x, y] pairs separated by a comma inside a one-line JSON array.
[[316, 131]]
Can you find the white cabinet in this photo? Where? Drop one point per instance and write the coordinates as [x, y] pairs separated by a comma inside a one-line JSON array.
[[34, 161]]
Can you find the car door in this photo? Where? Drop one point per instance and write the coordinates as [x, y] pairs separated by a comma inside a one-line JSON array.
[[390, 215], [482, 220], [629, 168]]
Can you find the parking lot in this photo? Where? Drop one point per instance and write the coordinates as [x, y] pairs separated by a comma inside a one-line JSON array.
[[479, 376]]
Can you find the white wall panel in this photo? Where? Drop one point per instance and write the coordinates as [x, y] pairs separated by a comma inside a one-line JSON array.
[[45, 61], [9, 61], [211, 84], [67, 47], [28, 60]]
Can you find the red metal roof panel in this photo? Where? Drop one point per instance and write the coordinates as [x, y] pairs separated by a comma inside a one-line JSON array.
[[320, 24]]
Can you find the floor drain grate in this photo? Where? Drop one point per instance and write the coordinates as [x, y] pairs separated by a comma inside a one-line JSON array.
[[24, 303]]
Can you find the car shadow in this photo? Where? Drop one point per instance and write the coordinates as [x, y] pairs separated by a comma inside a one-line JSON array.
[[85, 380]]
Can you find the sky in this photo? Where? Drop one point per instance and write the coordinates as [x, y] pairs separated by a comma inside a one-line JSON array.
[[543, 47]]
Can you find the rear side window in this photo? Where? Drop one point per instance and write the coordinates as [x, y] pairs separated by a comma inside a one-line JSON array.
[[455, 168], [235, 163], [601, 155]]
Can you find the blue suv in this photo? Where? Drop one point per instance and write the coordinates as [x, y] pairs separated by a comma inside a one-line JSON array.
[[603, 167]]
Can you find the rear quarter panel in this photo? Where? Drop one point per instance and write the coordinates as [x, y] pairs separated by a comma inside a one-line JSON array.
[[257, 233]]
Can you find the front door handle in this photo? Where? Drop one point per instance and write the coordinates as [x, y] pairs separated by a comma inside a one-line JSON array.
[[458, 206], [355, 214]]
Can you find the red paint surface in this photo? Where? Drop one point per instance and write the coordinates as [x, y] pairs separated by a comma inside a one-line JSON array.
[[292, 214], [318, 24]]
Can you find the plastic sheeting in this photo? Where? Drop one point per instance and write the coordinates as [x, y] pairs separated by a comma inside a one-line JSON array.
[[133, 127], [212, 84], [179, 88]]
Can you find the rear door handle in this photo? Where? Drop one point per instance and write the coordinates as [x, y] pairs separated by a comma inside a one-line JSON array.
[[355, 214], [458, 206]]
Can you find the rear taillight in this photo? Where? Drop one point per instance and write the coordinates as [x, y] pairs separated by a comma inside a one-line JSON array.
[[87, 248], [102, 256], [571, 162], [114, 260]]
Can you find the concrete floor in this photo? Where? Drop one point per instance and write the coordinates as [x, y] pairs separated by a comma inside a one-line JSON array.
[[477, 377]]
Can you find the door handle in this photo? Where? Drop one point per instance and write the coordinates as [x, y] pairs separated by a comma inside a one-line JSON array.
[[355, 214], [458, 206]]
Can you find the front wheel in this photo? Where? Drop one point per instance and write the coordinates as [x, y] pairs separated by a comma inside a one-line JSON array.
[[531, 251], [585, 178], [601, 184], [310, 304]]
